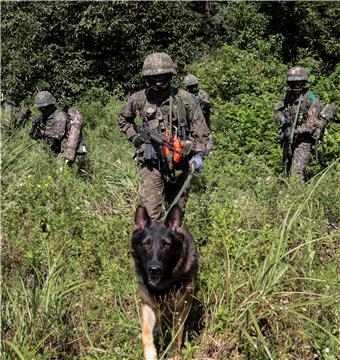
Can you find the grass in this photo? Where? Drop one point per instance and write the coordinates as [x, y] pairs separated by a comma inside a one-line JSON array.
[[268, 281]]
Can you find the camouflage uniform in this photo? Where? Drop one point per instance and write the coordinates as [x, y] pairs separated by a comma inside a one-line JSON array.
[[203, 98], [155, 183], [54, 126], [13, 116], [307, 130]]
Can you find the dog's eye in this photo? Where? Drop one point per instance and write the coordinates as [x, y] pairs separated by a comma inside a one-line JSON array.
[[146, 243]]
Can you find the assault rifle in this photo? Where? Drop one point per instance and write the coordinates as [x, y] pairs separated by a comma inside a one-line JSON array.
[[289, 130], [37, 126], [151, 137]]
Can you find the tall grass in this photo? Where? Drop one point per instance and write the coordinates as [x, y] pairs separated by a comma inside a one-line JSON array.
[[267, 285], [35, 314]]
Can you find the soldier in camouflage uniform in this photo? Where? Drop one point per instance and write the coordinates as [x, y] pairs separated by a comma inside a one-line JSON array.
[[13, 116], [298, 116], [190, 83], [164, 109], [54, 127]]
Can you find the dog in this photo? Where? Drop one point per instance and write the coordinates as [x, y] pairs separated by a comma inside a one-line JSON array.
[[166, 263]]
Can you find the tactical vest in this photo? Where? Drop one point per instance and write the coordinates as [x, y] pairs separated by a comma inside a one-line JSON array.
[[168, 118], [307, 101], [159, 121]]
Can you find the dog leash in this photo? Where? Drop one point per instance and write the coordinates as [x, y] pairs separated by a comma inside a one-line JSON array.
[[184, 186]]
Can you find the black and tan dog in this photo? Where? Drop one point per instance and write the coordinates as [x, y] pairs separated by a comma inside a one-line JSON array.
[[166, 261]]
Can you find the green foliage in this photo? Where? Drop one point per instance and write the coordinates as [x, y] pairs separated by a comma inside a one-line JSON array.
[[74, 46], [245, 88], [268, 241], [70, 47], [269, 256], [59, 222], [307, 29], [239, 23], [268, 252]]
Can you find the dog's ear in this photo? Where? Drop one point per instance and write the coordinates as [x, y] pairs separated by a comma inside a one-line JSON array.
[[174, 218], [142, 218]]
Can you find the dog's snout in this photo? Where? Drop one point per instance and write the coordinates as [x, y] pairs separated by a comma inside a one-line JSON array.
[[154, 269]]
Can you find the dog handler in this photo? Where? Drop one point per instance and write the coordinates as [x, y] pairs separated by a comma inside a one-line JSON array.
[[178, 118]]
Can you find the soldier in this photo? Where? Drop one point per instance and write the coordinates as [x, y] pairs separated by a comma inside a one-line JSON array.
[[12, 116], [61, 131], [172, 114], [190, 83], [298, 116]]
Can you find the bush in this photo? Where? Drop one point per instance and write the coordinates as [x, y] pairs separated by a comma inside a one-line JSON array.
[[244, 88]]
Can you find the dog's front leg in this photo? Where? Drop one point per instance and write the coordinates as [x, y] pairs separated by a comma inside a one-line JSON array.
[[149, 322], [182, 308]]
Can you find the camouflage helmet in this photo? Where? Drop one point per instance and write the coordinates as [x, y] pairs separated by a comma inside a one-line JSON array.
[[190, 80], [297, 73], [44, 98], [159, 64]]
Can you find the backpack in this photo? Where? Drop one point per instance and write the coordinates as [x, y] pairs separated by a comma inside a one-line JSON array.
[[327, 113], [74, 144]]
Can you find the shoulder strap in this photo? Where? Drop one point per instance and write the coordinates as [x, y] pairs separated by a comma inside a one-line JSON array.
[[182, 97]]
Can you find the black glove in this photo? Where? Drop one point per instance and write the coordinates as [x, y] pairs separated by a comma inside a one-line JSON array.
[[137, 140]]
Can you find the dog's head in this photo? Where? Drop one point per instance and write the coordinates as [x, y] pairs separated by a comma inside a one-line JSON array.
[[157, 246]]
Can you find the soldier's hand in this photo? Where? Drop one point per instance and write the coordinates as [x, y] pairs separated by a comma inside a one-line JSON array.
[[198, 160], [137, 140]]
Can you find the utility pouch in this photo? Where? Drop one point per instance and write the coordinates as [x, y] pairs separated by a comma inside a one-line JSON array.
[[151, 148], [148, 151], [153, 124]]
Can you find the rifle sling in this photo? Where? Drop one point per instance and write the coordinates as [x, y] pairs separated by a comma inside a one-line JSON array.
[[291, 137]]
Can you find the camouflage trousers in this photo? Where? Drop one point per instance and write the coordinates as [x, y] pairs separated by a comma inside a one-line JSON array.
[[301, 152], [153, 190]]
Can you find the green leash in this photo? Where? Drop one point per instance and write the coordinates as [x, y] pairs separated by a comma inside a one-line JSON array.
[[183, 188]]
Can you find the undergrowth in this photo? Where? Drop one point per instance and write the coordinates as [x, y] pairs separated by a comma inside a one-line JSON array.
[[267, 285]]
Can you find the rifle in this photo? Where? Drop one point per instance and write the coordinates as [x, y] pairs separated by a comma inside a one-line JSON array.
[[292, 131], [37, 126], [288, 136], [289, 131], [150, 136]]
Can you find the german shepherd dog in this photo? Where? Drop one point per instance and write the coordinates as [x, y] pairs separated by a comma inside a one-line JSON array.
[[166, 262]]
